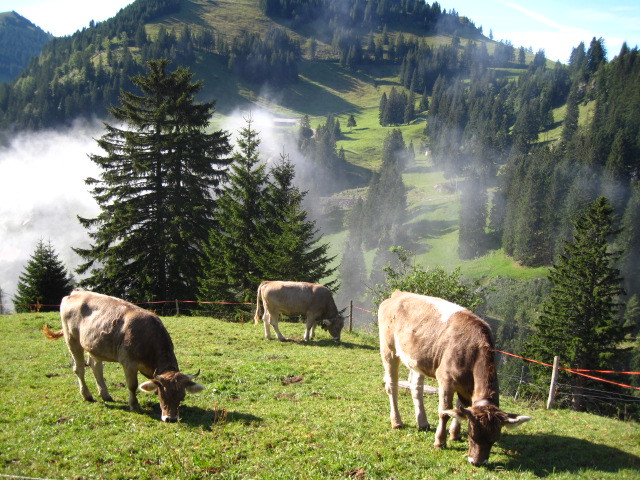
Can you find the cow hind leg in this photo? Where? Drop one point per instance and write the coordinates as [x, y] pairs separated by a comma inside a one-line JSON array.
[[266, 321], [273, 320], [131, 376], [77, 352], [310, 326], [391, 365], [454, 429], [97, 367], [416, 384]]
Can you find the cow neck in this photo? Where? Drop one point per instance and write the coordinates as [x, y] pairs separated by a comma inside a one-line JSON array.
[[166, 363], [485, 380]]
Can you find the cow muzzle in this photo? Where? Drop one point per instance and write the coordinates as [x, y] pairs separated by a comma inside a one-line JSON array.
[[168, 419], [476, 462]]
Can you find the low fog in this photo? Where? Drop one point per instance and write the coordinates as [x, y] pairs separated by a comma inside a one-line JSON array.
[[42, 191]]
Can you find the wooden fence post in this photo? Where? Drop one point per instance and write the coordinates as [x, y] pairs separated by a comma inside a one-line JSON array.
[[350, 315], [554, 381], [177, 308]]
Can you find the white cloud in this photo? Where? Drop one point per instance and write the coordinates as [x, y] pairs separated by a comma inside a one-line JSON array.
[[42, 190]]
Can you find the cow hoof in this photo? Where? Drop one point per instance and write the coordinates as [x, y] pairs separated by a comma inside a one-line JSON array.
[[439, 445], [424, 428], [89, 399], [397, 425], [108, 398]]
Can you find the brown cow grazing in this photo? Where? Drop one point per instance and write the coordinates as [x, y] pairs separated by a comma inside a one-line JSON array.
[[112, 330], [440, 339], [298, 298]]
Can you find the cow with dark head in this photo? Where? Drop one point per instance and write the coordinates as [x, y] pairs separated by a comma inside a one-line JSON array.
[[312, 300], [112, 330], [439, 339]]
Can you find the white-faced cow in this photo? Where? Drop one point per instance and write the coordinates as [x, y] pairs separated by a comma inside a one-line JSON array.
[[440, 339], [298, 298], [112, 330]]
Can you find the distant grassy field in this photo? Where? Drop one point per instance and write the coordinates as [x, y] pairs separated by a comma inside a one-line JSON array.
[[270, 410]]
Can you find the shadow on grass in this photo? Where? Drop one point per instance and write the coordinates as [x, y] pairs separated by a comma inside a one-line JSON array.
[[206, 419], [327, 342], [192, 415], [547, 454], [334, 344]]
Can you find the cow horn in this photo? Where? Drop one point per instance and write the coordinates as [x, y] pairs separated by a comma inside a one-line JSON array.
[[191, 377], [326, 322], [157, 377]]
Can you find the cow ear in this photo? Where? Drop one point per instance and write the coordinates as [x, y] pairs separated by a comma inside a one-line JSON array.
[[515, 420], [459, 413], [193, 387], [149, 386]]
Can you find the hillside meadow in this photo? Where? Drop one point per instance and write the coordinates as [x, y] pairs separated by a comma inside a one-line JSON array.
[[270, 410]]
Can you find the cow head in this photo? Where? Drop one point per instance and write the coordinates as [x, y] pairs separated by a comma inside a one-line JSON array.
[[334, 326], [171, 388], [485, 424]]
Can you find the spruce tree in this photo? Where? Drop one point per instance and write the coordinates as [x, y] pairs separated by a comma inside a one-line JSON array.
[[353, 270], [472, 238], [351, 121], [43, 283], [230, 270], [629, 242], [631, 317], [156, 191], [386, 204], [571, 117], [290, 247], [580, 320]]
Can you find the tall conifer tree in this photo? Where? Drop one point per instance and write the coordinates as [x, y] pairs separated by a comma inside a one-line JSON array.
[[155, 190], [580, 321], [290, 242], [230, 271]]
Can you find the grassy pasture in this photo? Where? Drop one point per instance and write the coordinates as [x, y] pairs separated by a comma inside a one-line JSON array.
[[270, 410]]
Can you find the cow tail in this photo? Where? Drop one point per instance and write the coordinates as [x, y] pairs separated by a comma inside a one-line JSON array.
[[50, 334], [256, 317]]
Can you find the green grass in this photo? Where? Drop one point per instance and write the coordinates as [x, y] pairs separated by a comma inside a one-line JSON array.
[[270, 410]]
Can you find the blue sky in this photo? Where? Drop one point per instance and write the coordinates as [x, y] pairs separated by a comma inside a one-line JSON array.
[[556, 26]]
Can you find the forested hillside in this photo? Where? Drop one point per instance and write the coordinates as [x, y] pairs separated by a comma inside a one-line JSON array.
[[20, 40]]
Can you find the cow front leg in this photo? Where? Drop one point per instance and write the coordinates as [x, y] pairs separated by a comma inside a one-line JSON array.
[[445, 402], [97, 367], [131, 376], [416, 384], [391, 364], [77, 352]]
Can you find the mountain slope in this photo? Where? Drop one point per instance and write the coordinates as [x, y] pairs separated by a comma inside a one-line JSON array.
[[20, 40]]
